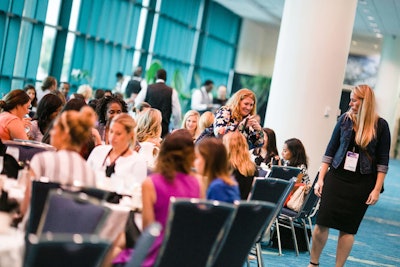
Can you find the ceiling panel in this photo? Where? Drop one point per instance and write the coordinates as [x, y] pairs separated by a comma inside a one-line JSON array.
[[374, 18]]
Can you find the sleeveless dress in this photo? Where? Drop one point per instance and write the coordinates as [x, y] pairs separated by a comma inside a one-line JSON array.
[[183, 185]]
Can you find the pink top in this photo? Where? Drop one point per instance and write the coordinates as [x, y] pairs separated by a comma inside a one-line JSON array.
[[183, 185], [5, 119]]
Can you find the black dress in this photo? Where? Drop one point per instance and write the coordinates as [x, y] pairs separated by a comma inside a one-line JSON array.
[[343, 198]]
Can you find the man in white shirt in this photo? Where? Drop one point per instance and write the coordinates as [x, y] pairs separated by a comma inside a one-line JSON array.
[[202, 99]]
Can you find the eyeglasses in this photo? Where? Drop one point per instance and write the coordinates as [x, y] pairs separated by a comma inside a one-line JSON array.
[[110, 169], [114, 111]]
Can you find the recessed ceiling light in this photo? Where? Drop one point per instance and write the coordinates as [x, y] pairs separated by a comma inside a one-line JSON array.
[[376, 46], [371, 18], [354, 42], [378, 35]]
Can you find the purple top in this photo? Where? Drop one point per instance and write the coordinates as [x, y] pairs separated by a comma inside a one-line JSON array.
[[183, 185]]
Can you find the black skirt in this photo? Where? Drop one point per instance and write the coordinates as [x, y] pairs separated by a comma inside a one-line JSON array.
[[343, 199]]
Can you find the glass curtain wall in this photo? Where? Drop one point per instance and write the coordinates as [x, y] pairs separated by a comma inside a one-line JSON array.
[[89, 41]]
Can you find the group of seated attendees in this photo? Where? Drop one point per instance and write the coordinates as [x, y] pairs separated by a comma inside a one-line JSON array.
[[102, 145]]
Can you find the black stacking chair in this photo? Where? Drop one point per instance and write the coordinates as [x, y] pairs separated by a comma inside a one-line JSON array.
[[194, 232], [143, 244], [284, 172], [289, 218], [271, 190], [72, 212], [250, 220], [40, 191], [65, 250]]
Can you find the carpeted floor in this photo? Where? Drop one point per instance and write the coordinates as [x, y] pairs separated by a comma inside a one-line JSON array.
[[376, 244]]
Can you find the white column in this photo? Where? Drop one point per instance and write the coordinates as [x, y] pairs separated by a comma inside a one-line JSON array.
[[387, 88], [313, 46]]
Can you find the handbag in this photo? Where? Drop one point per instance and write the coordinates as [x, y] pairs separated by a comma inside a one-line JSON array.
[[297, 199]]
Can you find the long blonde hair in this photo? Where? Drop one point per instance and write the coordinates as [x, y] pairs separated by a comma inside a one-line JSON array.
[[238, 153], [148, 124], [188, 114], [366, 119], [234, 103]]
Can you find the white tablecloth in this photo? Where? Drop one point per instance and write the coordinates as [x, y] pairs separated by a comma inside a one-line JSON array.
[[11, 248]]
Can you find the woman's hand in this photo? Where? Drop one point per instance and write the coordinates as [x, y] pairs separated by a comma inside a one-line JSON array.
[[373, 197], [253, 123], [318, 188]]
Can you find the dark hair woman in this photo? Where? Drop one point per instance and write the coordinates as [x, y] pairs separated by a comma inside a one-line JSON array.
[[14, 106]]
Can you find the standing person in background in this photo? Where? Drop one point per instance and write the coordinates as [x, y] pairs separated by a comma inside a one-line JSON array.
[[64, 89], [121, 84], [134, 86], [172, 177], [86, 91], [191, 123], [243, 168], [202, 99], [14, 106], [31, 91], [165, 99], [221, 98], [351, 176], [212, 163], [49, 85], [239, 114]]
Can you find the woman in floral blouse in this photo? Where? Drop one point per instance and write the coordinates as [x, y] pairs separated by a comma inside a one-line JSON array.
[[239, 113]]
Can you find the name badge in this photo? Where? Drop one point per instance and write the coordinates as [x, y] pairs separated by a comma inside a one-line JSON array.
[[351, 161]]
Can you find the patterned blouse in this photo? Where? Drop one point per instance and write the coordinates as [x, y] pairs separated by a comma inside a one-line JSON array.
[[224, 123]]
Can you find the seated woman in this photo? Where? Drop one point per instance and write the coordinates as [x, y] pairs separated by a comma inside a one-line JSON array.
[[244, 169], [213, 164], [267, 154], [148, 131], [206, 120], [118, 167], [191, 123], [172, 177], [49, 107], [66, 166], [14, 106], [294, 154], [31, 91], [107, 108]]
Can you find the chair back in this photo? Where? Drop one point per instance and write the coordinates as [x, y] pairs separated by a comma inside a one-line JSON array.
[[65, 250], [144, 244], [40, 191], [68, 212], [194, 230], [273, 190], [284, 172], [310, 201], [250, 220]]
